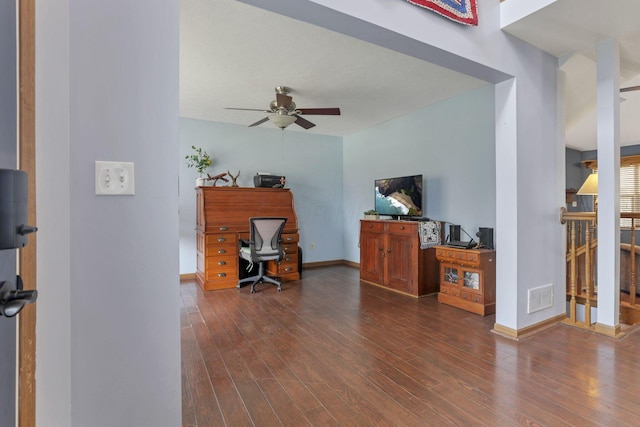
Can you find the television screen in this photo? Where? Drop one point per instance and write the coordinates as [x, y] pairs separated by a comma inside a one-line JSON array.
[[401, 196]]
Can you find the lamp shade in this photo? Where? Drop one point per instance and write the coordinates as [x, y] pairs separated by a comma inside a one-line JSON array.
[[282, 120], [590, 186]]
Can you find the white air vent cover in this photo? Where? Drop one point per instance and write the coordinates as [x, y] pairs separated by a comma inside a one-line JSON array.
[[540, 298]]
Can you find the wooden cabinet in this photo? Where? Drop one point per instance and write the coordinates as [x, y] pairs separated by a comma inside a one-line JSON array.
[[390, 256], [372, 247], [468, 279], [222, 218]]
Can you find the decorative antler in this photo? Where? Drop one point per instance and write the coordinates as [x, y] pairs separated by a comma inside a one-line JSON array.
[[234, 179], [216, 178]]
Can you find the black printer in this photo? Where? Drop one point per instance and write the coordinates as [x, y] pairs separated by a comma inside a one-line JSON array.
[[261, 180]]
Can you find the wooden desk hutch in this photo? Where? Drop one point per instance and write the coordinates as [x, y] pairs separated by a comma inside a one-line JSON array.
[[222, 218]]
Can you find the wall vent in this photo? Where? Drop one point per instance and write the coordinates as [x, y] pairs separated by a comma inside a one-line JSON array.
[[540, 298]]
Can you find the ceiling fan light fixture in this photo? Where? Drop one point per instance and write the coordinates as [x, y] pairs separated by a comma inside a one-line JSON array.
[[281, 120]]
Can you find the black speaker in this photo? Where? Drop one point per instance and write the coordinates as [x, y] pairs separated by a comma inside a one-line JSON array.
[[485, 234], [454, 233]]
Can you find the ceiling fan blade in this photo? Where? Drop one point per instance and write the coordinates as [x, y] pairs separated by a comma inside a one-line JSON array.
[[323, 111], [248, 109], [259, 122], [629, 89], [303, 122], [283, 100]]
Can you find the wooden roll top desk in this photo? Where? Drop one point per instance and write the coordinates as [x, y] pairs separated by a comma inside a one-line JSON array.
[[222, 219]]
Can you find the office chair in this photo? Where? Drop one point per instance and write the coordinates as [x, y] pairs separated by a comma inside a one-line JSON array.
[[264, 244]]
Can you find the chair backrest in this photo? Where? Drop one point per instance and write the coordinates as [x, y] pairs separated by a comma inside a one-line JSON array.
[[266, 235]]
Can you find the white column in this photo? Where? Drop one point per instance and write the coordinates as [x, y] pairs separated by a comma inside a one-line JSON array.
[[608, 111], [506, 206]]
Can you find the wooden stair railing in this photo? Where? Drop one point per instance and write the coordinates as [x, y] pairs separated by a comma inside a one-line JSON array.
[[631, 247], [581, 252], [581, 258]]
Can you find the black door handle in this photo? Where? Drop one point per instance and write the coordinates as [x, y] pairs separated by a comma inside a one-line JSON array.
[[12, 301]]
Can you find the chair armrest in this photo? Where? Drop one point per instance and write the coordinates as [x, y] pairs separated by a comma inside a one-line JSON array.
[[244, 243]]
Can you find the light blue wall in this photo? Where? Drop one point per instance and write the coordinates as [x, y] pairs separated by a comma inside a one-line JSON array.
[[576, 174], [312, 164], [108, 348], [8, 85], [8, 161], [450, 143], [527, 140]]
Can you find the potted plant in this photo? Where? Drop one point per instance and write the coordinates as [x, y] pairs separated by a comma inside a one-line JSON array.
[[199, 160], [371, 214]]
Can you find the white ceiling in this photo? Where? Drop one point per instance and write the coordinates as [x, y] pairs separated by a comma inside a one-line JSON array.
[[570, 30], [234, 55]]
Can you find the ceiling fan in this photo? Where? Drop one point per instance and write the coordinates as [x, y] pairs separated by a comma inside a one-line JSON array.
[[284, 111], [629, 89]]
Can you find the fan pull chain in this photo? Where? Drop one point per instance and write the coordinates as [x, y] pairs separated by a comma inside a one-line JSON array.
[[282, 145]]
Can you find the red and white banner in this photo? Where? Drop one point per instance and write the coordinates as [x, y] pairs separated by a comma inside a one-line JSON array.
[[462, 11]]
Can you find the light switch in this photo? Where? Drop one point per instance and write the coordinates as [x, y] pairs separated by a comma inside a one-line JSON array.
[[114, 178]]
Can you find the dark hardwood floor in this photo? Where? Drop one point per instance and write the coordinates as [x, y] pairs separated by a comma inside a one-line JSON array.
[[330, 351]]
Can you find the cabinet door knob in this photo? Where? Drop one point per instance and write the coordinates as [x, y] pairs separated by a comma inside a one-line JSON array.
[[222, 262], [222, 274], [388, 251], [222, 251], [289, 239], [222, 239], [288, 269], [223, 228], [402, 227]]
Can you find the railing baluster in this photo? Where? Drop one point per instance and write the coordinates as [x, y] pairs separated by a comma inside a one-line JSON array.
[[581, 272], [589, 277]]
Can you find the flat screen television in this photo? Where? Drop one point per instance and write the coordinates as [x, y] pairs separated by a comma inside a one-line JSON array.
[[400, 196]]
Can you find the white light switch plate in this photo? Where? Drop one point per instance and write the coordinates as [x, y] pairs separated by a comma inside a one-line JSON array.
[[114, 178]]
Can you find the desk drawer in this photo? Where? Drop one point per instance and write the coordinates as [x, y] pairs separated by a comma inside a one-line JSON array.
[[284, 272], [471, 297], [289, 260], [372, 226], [465, 257], [450, 290], [403, 228], [444, 254], [286, 269], [221, 239], [290, 248], [215, 271], [222, 261], [290, 238], [468, 258], [221, 250]]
